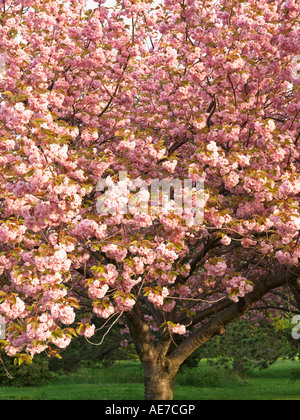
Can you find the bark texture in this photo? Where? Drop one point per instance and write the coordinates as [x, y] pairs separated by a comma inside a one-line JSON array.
[[159, 380]]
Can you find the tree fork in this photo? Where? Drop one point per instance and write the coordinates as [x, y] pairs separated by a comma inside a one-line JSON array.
[[159, 371]]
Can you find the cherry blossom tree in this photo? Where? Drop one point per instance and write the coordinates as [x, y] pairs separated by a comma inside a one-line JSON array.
[[204, 91]]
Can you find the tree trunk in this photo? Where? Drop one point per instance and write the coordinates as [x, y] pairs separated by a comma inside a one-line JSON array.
[[159, 370], [159, 380]]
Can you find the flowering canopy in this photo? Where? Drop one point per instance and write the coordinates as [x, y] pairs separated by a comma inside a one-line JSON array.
[[197, 90]]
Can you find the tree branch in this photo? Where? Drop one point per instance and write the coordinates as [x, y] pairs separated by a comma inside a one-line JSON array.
[[141, 334], [217, 325]]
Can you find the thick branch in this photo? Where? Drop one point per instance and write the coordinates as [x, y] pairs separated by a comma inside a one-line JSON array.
[[217, 325], [207, 312], [211, 244], [296, 292], [141, 334], [104, 352]]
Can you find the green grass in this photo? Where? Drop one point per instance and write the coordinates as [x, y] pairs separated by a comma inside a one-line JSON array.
[[124, 381], [271, 384]]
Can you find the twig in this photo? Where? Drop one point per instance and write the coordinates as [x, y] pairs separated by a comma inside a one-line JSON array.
[[104, 335]]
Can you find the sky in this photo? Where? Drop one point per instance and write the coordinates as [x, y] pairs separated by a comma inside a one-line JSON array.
[[109, 3]]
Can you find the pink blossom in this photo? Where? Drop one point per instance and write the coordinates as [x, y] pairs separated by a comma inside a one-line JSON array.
[[92, 111], [62, 342], [124, 303], [157, 298], [65, 314], [12, 309], [237, 287], [104, 310], [88, 331], [218, 269], [247, 242], [226, 240], [97, 291], [177, 329]]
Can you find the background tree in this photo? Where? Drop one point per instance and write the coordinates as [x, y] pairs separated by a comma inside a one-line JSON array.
[[80, 352], [35, 374], [186, 90], [247, 346]]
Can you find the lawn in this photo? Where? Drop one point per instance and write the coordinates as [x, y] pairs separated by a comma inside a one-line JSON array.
[[124, 381]]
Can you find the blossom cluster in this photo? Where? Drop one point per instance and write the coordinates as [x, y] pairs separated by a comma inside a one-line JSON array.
[[198, 90]]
